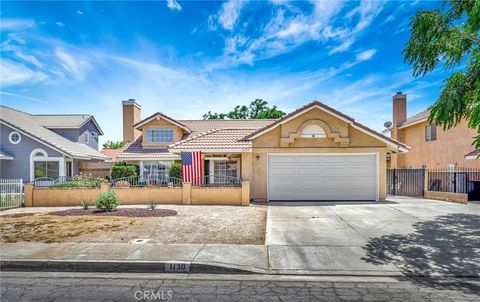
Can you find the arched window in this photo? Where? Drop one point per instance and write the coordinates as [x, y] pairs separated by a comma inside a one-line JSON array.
[[313, 131]]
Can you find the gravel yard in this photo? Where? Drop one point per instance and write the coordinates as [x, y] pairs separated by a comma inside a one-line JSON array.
[[192, 224]]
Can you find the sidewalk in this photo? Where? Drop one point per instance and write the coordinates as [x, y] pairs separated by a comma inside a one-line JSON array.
[[201, 258]]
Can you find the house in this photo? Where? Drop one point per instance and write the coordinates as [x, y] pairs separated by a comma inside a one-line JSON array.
[[52, 146], [432, 147], [313, 153]]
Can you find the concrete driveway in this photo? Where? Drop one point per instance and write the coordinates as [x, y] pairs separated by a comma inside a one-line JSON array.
[[409, 235]]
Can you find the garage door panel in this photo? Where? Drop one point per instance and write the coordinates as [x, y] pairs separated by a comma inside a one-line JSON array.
[[322, 177]]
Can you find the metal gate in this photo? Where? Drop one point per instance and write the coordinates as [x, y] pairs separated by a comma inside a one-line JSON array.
[[405, 182], [11, 193]]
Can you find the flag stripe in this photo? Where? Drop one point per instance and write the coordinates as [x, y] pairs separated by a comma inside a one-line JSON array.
[[192, 167]]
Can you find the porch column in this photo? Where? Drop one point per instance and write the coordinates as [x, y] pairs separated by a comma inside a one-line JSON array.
[[246, 166], [141, 170]]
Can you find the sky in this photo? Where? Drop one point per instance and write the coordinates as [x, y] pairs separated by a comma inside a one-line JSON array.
[[184, 58]]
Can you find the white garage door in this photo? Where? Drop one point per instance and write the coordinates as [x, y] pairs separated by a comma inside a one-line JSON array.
[[322, 177]]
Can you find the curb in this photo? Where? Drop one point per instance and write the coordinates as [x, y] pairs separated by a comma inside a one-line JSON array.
[[112, 266]]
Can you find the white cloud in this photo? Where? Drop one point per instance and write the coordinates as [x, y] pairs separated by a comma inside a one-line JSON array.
[[79, 12], [58, 23], [173, 5], [75, 66], [13, 73], [19, 96], [9, 24], [366, 55], [229, 13]]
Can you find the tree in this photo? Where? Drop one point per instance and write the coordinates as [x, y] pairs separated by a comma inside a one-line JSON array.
[[257, 109], [449, 38], [113, 144]]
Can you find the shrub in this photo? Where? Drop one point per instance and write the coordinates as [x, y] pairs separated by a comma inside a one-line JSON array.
[[107, 201], [176, 170], [121, 170], [85, 205], [152, 205]]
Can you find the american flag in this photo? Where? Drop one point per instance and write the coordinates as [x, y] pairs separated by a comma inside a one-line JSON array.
[[192, 167]]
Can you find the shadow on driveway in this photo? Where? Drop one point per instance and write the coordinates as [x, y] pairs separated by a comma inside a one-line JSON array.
[[448, 245]]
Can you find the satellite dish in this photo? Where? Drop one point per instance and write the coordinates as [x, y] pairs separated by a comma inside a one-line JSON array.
[[388, 124]]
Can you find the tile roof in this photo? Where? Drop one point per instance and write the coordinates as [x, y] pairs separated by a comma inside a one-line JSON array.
[[25, 123], [331, 110], [216, 139], [134, 151], [162, 116], [205, 125], [111, 153], [421, 116]]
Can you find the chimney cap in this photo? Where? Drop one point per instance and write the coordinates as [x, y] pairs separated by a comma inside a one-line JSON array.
[[131, 102], [399, 95]]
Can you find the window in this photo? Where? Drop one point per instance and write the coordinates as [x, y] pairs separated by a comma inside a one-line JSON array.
[[430, 133], [313, 131], [222, 168], [48, 169], [159, 136], [14, 137], [86, 137], [156, 169], [95, 135]]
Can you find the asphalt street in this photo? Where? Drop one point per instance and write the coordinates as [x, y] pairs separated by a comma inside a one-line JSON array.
[[41, 286]]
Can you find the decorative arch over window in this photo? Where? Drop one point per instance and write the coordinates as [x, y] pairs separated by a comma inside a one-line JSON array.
[[38, 153], [313, 131]]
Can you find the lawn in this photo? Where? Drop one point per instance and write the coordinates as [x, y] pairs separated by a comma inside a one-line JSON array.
[[192, 224]]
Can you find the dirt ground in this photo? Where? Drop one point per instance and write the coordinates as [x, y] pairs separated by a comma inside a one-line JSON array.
[[192, 224]]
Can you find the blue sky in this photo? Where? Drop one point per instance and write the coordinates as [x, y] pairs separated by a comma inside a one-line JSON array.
[[186, 58]]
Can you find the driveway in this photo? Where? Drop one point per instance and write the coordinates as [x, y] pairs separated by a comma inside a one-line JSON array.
[[409, 235]]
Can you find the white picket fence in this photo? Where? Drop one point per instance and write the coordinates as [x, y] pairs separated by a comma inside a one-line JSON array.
[[11, 193]]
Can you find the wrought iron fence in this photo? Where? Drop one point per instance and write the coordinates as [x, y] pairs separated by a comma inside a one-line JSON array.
[[217, 181], [11, 193], [146, 181], [64, 182], [457, 180], [405, 182]]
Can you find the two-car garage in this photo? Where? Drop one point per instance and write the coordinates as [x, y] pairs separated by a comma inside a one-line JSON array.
[[323, 176]]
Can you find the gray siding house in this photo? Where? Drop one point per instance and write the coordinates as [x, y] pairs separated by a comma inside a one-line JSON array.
[[33, 146]]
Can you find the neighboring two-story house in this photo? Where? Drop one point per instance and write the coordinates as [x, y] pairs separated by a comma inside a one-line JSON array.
[[53, 146], [312, 153], [432, 147]]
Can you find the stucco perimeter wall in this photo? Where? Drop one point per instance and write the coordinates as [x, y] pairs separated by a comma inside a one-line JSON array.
[[45, 197], [447, 196], [270, 143], [216, 196]]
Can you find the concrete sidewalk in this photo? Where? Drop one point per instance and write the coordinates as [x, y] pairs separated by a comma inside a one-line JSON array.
[[206, 258]]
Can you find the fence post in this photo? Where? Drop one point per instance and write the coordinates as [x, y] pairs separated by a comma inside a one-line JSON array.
[[245, 193], [454, 182], [394, 182], [186, 192], [425, 181], [28, 195]]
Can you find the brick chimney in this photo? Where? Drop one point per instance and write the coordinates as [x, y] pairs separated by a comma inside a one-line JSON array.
[[399, 112], [131, 116]]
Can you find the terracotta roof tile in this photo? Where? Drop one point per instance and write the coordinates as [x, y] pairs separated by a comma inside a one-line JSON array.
[[134, 150], [216, 139]]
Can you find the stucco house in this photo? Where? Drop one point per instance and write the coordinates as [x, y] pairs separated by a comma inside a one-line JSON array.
[[432, 147], [312, 153], [52, 146]]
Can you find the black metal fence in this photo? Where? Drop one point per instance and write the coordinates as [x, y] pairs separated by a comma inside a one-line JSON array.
[[455, 180], [146, 181], [405, 182], [217, 181]]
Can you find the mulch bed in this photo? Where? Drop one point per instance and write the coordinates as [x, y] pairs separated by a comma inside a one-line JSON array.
[[126, 212]]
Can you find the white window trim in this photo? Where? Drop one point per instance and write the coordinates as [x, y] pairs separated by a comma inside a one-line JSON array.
[[213, 160], [19, 137], [33, 158], [68, 160], [165, 142]]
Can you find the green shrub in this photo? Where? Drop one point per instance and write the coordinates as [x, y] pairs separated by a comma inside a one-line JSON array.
[[107, 201], [85, 205], [121, 170], [152, 205], [176, 170]]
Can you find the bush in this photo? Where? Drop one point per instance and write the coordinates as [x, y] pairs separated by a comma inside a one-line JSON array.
[[176, 170], [107, 201], [121, 170], [85, 205], [81, 180], [152, 205]]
